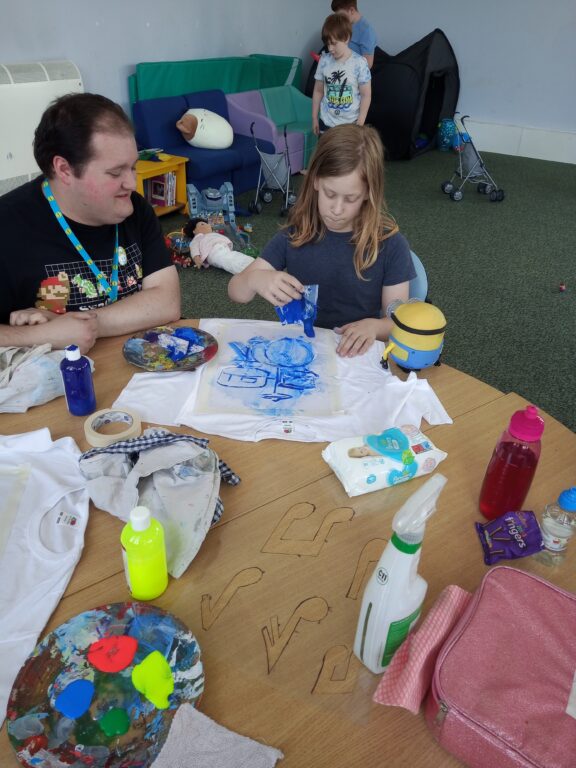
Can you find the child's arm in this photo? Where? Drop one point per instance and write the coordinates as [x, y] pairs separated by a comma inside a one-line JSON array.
[[260, 277], [365, 99], [358, 337], [317, 95]]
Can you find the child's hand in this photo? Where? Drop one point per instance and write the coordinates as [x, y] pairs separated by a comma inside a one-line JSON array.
[[279, 288], [315, 126], [357, 338], [197, 261]]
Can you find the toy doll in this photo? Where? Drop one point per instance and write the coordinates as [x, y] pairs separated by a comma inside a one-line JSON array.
[[209, 248]]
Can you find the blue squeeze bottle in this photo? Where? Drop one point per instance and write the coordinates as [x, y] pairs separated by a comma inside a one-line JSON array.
[[78, 384]]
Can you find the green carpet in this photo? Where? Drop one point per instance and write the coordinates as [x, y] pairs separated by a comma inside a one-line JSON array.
[[493, 268]]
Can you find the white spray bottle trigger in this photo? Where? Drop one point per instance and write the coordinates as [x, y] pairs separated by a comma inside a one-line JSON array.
[[410, 520]]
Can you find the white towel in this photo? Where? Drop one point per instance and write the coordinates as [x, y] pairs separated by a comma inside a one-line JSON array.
[[196, 741]]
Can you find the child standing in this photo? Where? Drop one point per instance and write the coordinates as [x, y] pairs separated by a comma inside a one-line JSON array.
[[212, 249], [342, 90], [339, 236]]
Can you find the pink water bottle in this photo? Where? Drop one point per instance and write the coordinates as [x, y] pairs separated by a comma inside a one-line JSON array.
[[513, 464]]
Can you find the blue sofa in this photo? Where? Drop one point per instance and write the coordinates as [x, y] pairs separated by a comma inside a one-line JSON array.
[[155, 125]]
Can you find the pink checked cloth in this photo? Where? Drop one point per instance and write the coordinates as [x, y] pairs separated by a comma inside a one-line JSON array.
[[406, 680]]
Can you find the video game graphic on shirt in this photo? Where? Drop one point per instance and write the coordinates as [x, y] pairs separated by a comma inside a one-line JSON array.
[[72, 286]]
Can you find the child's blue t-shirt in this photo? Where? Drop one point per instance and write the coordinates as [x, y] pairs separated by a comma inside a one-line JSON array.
[[342, 80], [363, 37], [329, 263]]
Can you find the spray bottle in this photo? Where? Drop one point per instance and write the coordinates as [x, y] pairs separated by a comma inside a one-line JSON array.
[[394, 595]]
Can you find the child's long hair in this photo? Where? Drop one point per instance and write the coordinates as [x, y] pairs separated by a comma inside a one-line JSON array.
[[340, 151]]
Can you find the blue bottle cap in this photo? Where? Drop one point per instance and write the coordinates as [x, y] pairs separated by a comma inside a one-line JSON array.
[[567, 500]]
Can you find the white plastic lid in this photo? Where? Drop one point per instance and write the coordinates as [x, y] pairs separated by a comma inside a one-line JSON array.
[[140, 518], [72, 352]]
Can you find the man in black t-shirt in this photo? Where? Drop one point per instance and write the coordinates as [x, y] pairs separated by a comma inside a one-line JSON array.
[[82, 254]]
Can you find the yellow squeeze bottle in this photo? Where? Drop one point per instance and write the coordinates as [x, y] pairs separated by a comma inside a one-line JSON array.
[[144, 555]]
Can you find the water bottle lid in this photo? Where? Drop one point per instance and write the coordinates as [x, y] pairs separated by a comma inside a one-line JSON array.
[[72, 352], [567, 500], [140, 518], [527, 424]]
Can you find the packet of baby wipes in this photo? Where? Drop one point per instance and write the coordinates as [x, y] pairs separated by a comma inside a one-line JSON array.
[[364, 464]]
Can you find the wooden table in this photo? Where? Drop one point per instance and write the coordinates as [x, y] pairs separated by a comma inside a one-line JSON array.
[[148, 169], [273, 595]]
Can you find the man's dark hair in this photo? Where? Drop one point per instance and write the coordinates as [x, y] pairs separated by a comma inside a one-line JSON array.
[[190, 226], [67, 126]]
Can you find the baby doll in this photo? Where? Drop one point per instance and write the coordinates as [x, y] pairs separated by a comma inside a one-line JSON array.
[[210, 248]]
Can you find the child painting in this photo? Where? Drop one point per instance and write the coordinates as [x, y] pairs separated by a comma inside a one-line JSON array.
[[339, 236], [212, 249], [342, 91]]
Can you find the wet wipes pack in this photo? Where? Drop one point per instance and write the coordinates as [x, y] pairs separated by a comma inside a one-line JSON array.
[[302, 310], [373, 462]]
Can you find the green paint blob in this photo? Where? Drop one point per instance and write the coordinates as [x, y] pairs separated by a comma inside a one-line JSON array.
[[153, 678], [115, 722]]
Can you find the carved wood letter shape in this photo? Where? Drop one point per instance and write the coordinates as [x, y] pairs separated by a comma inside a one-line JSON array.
[[368, 557], [276, 640], [210, 611], [326, 682], [279, 544]]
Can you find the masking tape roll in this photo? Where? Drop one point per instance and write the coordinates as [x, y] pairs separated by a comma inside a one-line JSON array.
[[106, 416]]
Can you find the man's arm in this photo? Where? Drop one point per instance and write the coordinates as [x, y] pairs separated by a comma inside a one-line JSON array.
[[369, 58], [157, 303], [79, 328]]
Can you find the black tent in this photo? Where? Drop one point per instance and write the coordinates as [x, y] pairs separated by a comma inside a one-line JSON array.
[[411, 93]]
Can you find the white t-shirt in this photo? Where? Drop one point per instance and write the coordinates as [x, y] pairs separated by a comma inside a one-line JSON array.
[[44, 511], [313, 395], [342, 80]]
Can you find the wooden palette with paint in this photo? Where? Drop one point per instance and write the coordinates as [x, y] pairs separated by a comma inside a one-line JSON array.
[[102, 689]]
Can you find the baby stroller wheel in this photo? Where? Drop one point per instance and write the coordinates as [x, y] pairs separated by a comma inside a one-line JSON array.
[[266, 196], [254, 207], [500, 195], [291, 198], [447, 187], [489, 189], [456, 195], [494, 196]]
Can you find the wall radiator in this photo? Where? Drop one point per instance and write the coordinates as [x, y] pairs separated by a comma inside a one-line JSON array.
[[25, 92]]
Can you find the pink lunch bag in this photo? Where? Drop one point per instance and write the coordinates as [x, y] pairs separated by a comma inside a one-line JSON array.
[[503, 693]]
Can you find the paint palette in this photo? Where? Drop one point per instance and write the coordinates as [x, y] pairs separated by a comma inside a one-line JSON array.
[[170, 349], [102, 689]]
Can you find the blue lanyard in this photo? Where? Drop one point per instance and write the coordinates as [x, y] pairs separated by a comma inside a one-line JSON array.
[[110, 289]]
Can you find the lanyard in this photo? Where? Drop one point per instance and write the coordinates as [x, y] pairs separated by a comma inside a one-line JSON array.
[[110, 289]]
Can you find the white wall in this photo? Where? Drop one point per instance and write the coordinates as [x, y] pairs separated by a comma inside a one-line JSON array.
[[516, 57]]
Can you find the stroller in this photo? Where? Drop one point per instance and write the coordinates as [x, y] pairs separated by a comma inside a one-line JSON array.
[[470, 168], [274, 174]]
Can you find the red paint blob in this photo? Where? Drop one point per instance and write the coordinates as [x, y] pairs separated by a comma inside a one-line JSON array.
[[112, 654], [34, 743]]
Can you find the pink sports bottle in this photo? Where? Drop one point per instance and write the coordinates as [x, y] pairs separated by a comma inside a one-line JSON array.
[[513, 464]]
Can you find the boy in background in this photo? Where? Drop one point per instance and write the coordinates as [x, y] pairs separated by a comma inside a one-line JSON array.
[[363, 39], [342, 88]]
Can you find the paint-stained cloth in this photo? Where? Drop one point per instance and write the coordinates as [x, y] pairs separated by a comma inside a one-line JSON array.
[[176, 476]]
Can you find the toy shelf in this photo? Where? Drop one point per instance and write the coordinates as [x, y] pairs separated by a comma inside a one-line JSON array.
[[148, 169]]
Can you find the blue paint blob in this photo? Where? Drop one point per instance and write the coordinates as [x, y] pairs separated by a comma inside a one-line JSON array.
[[75, 699]]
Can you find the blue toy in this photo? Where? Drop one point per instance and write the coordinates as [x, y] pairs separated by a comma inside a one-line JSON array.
[[211, 203]]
